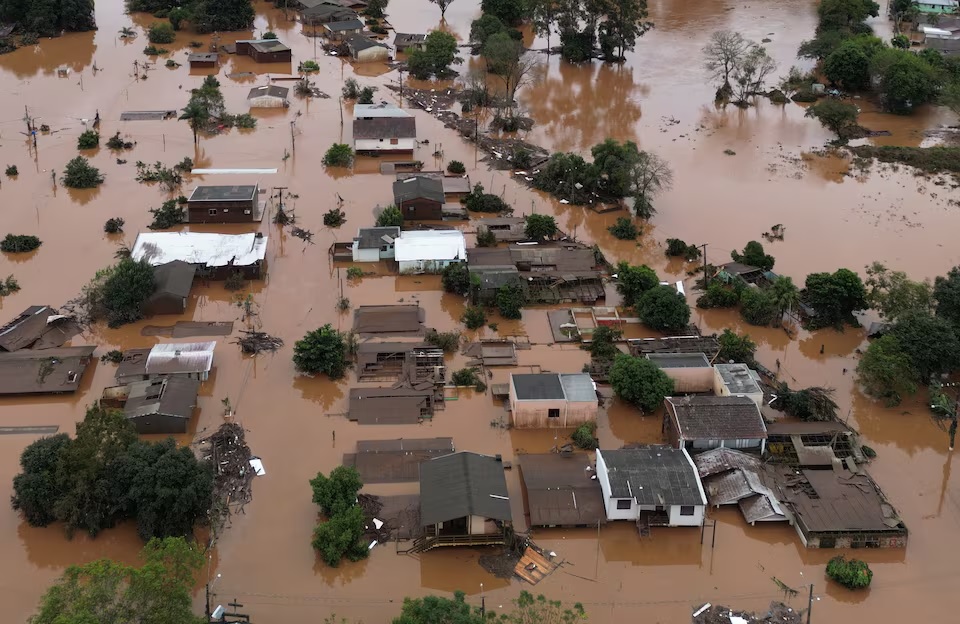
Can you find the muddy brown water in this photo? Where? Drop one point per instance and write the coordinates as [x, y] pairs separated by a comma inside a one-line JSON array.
[[658, 98]]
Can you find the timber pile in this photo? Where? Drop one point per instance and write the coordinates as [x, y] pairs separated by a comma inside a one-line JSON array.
[[229, 455], [256, 341]]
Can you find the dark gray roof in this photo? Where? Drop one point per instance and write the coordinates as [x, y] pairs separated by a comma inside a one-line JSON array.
[[653, 475], [329, 10], [203, 57], [169, 396], [268, 45], [534, 387], [372, 238], [402, 39], [174, 278], [352, 24], [387, 128], [359, 42], [25, 328], [679, 360], [272, 91], [463, 484], [492, 277], [414, 188], [716, 418], [239, 192], [738, 268]]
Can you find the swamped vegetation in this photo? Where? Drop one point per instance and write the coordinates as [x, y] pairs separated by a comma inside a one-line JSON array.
[[203, 16], [19, 243], [48, 19], [116, 294], [339, 536]]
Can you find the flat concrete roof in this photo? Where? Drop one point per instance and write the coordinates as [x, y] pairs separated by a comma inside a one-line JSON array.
[[679, 360]]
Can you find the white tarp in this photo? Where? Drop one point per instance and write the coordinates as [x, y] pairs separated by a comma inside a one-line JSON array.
[[212, 250], [257, 466], [430, 245]]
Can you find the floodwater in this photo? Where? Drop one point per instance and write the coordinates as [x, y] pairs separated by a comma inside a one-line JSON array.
[[658, 98]]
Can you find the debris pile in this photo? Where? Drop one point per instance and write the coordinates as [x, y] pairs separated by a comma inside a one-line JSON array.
[[778, 613], [229, 455], [257, 341]]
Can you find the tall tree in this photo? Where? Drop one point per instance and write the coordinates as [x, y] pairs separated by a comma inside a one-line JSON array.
[[338, 492], [751, 74], [723, 53], [786, 295], [652, 175], [639, 381], [753, 255], [834, 296], [543, 16], [219, 15], [323, 350], [886, 372], [633, 281], [443, 4], [37, 488], [946, 292], [893, 294], [506, 59], [664, 309], [624, 21], [930, 342]]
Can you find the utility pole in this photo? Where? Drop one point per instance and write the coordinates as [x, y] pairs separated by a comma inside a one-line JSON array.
[[293, 141], [810, 603], [281, 189], [340, 102], [706, 278], [400, 81]]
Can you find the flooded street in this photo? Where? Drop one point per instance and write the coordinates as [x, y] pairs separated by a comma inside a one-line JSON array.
[[659, 98]]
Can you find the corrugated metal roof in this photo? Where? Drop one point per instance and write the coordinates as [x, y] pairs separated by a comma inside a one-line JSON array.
[[723, 459], [578, 387], [272, 91], [653, 475], [212, 250], [739, 379], [561, 490], [169, 396], [463, 484], [385, 128], [679, 360], [372, 238], [716, 418], [174, 278], [188, 357], [383, 109], [421, 187], [430, 245]]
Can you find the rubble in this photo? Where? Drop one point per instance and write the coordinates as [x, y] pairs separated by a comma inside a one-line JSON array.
[[228, 454]]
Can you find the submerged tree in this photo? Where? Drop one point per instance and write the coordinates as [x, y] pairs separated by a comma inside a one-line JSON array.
[[893, 294], [623, 22], [723, 54], [651, 176], [838, 117], [443, 4], [886, 372], [751, 74], [322, 350], [639, 381]]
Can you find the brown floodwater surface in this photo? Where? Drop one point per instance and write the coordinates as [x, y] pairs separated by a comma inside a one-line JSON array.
[[834, 214]]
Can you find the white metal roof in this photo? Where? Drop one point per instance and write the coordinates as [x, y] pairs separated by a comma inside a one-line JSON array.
[[378, 110], [430, 245], [186, 357], [199, 248]]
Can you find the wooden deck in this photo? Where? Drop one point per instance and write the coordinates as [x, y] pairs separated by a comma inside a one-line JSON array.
[[533, 567]]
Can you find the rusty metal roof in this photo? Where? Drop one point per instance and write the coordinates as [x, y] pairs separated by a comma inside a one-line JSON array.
[[561, 489], [397, 320], [723, 459], [716, 418], [395, 461]]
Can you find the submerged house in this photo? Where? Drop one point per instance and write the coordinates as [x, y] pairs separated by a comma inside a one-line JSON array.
[[737, 380], [174, 281], [326, 13], [43, 371], [268, 97], [407, 42], [365, 50], [733, 477], [192, 360], [653, 486], [463, 501], [216, 256], [163, 405], [337, 31], [552, 400], [699, 423], [429, 251], [383, 128], [690, 372], [265, 50], [203, 60], [375, 243], [37, 327], [419, 198], [225, 203], [561, 490]]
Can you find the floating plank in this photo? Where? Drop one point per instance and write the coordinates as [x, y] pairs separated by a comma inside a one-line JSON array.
[[29, 430], [534, 567]]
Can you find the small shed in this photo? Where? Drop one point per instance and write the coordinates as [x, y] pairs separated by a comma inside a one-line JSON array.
[[268, 97], [737, 380], [265, 50], [365, 50], [463, 501], [429, 251], [326, 13], [552, 400], [174, 280], [338, 31], [162, 405], [407, 42], [193, 360], [705, 422], [419, 198], [690, 372], [198, 60], [375, 244], [225, 204]]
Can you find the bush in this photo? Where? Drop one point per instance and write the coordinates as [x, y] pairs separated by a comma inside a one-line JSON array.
[[154, 51], [851, 573], [735, 348], [354, 272], [12, 171], [244, 121], [366, 95], [341, 535], [584, 436], [456, 167], [117, 294], [171, 64], [390, 217], [269, 35], [113, 356], [754, 255], [90, 139], [474, 317], [479, 201], [322, 350], [116, 143], [334, 217], [309, 66], [486, 237], [718, 296], [351, 89], [510, 301], [448, 342], [624, 229], [113, 225], [19, 243], [456, 278], [80, 174], [539, 227], [640, 382], [603, 343], [161, 32], [758, 307], [339, 155], [169, 214], [234, 281], [9, 286], [664, 309]]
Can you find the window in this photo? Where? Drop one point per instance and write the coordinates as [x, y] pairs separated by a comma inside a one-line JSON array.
[[624, 503], [226, 210], [828, 542], [212, 212], [553, 413], [394, 141], [686, 510], [246, 212]]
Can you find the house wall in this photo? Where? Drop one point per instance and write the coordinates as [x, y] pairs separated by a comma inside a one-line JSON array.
[[677, 520], [278, 56], [421, 209], [384, 145], [160, 423], [535, 414], [343, 34], [220, 212], [372, 54], [670, 432], [165, 304], [478, 525], [250, 271], [202, 64], [267, 101], [365, 255], [689, 380], [424, 266], [610, 504]]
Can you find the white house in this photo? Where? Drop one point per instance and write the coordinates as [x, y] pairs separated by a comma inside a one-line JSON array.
[[737, 380], [375, 244], [651, 485], [429, 251], [383, 128], [268, 97]]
